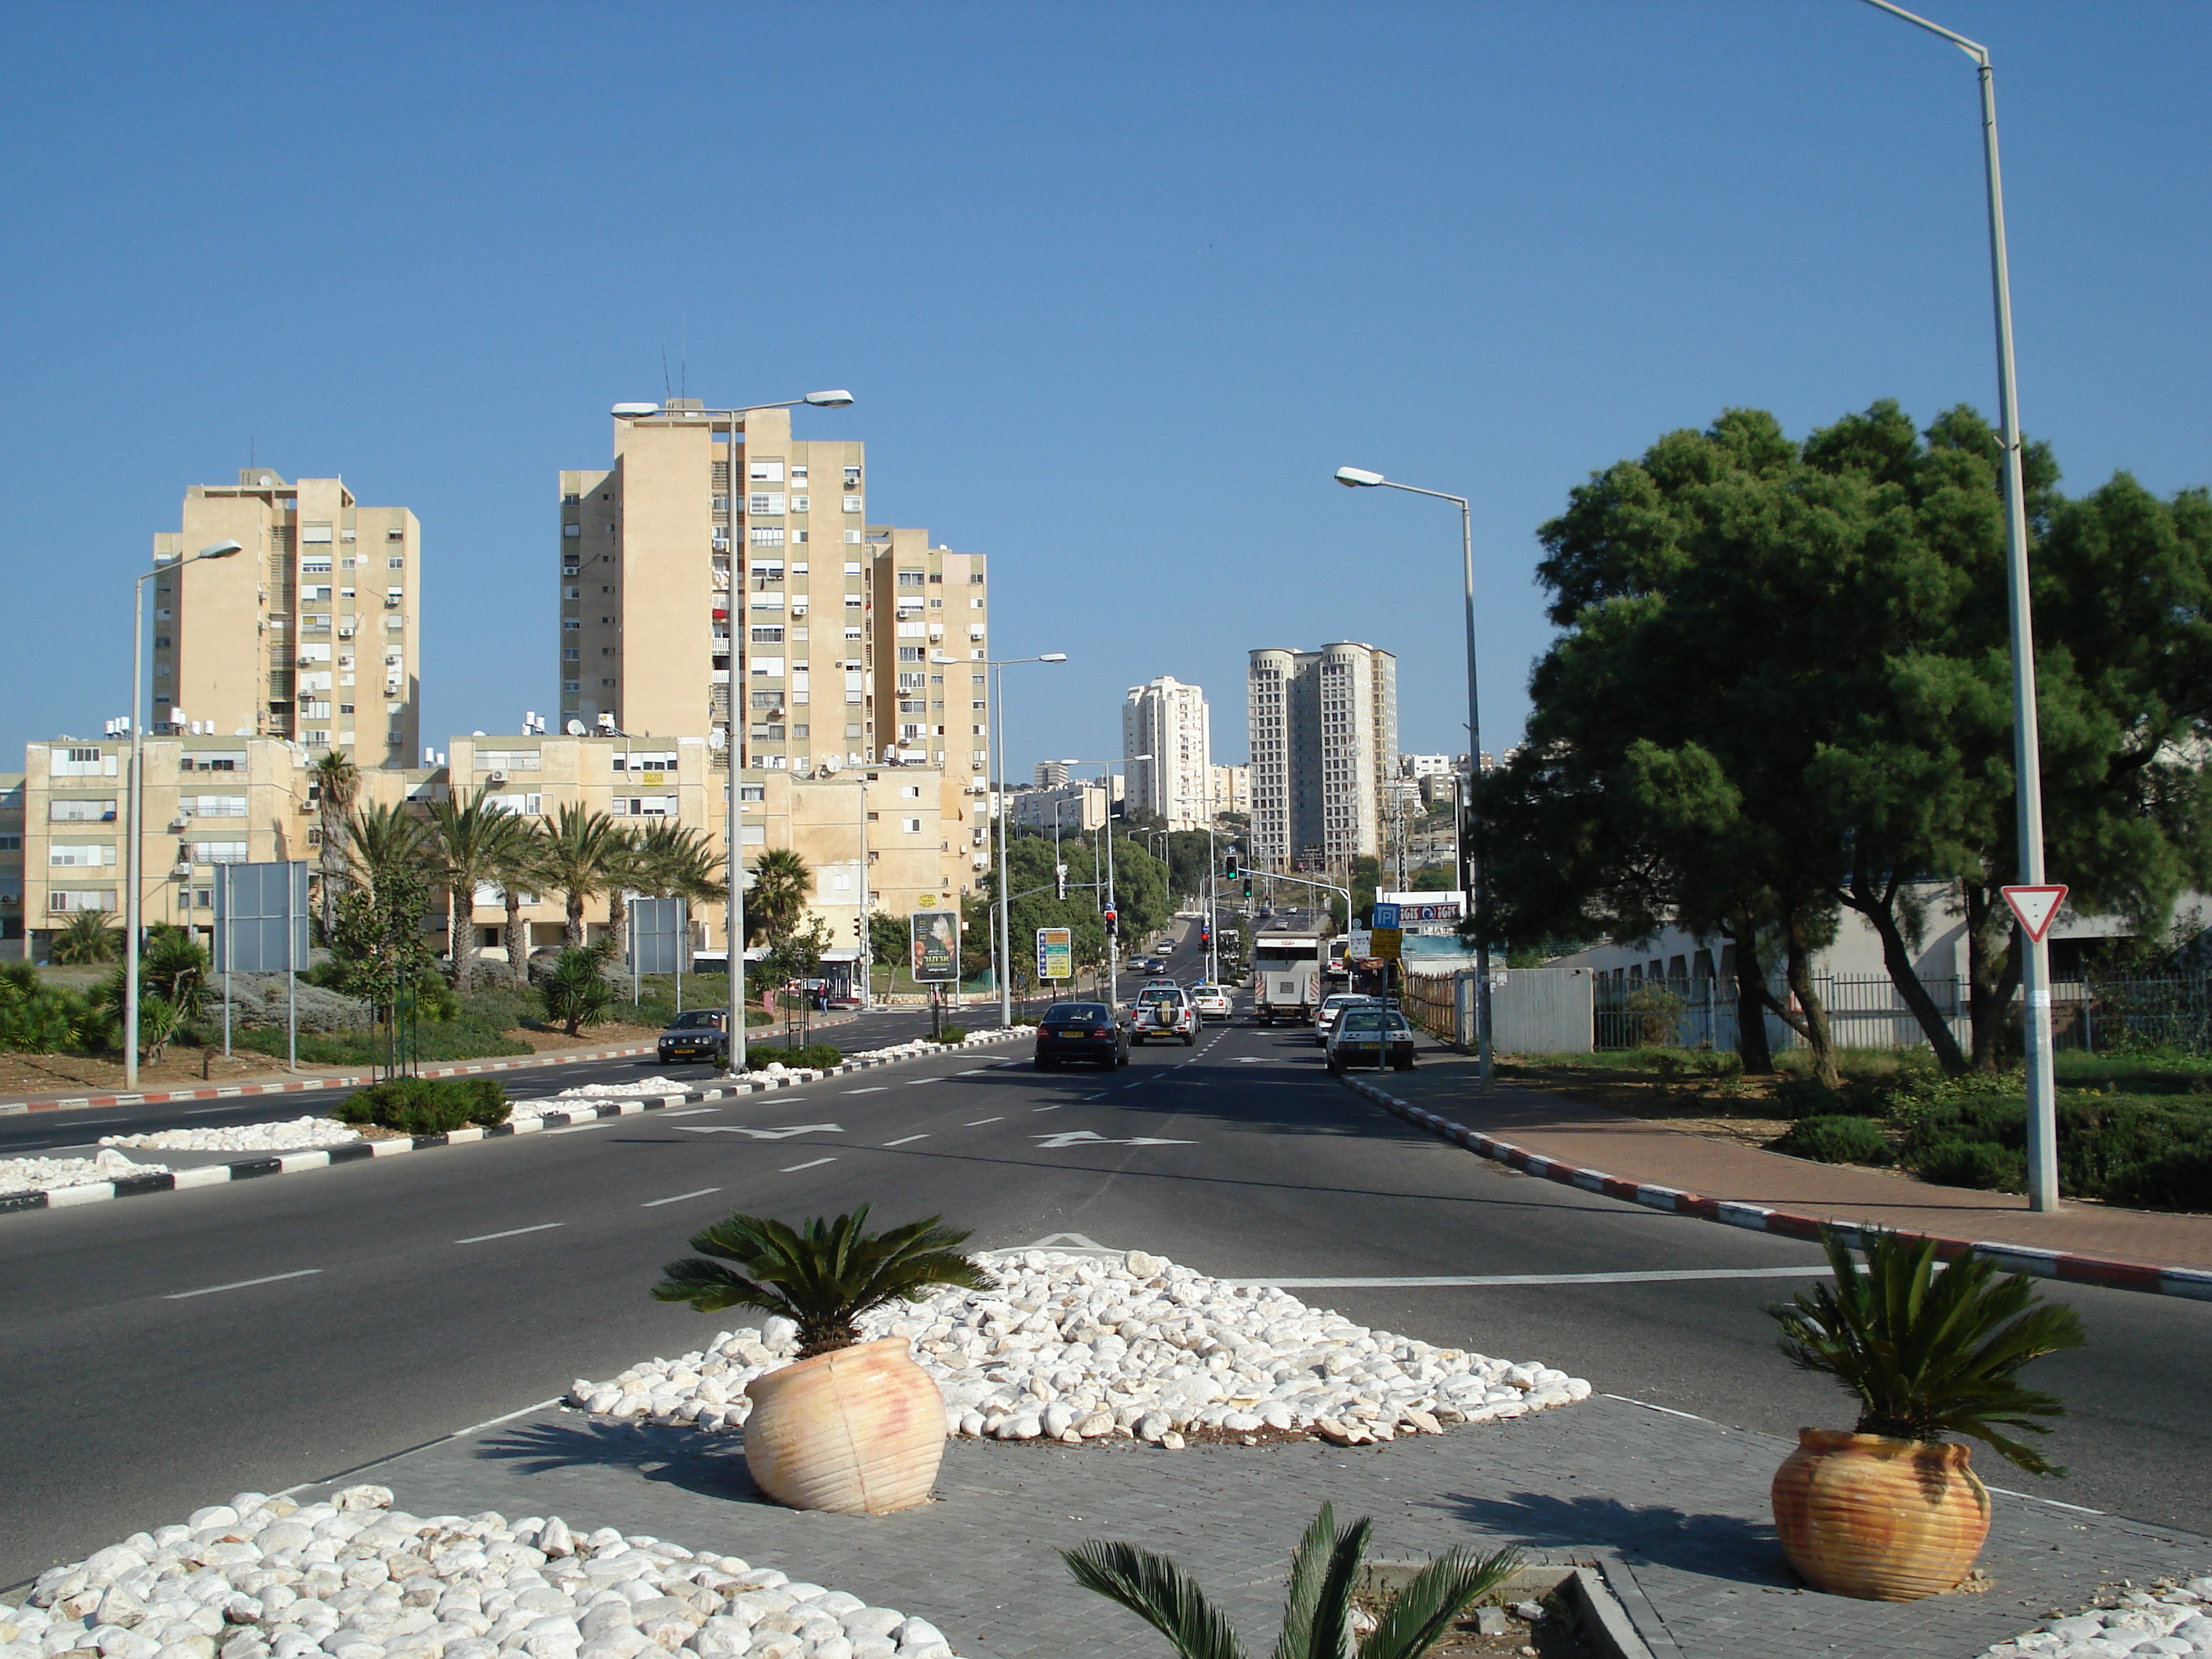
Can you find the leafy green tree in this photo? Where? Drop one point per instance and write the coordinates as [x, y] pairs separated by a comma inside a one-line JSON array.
[[88, 939], [377, 942], [887, 939], [175, 967]]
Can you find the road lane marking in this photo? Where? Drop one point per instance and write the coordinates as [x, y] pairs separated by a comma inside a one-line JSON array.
[[241, 1284], [579, 1128], [201, 1111], [655, 1203], [762, 1135], [977, 1123], [512, 1232], [1652, 1276], [904, 1139], [795, 1168], [691, 1111], [1048, 1109], [876, 1088], [1086, 1138], [916, 1082]]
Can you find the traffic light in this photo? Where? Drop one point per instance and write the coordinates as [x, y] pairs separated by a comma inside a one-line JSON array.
[[1059, 881], [859, 930], [1205, 935], [1229, 866], [1248, 884], [1112, 922]]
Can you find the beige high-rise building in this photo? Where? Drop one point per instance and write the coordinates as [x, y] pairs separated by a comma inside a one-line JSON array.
[[842, 644], [1324, 742], [311, 633]]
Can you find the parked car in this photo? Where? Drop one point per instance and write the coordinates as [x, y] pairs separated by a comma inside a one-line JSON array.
[[1211, 1001], [695, 1034], [1082, 1032], [1164, 1012], [1331, 1006], [1366, 1036]]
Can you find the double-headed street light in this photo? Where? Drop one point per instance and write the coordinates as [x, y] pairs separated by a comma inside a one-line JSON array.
[[734, 751], [997, 715], [1471, 871], [135, 857]]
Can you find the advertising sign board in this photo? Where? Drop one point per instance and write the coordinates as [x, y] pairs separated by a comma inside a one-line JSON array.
[[934, 938]]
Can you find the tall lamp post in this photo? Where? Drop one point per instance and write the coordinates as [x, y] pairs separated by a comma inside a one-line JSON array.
[[998, 718], [1471, 871], [2027, 765], [135, 857], [734, 1051]]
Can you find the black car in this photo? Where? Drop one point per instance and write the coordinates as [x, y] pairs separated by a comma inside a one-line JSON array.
[[1081, 1030], [695, 1034]]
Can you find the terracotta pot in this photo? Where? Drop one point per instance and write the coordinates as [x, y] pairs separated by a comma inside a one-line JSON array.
[[1883, 1519], [860, 1431]]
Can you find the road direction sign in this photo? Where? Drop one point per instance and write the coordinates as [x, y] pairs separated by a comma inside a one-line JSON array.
[[2036, 908], [1055, 953]]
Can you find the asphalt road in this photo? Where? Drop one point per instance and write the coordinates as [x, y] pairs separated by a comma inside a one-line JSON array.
[[163, 1352]]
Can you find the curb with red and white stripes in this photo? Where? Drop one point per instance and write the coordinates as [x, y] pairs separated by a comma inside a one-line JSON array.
[[215, 1175], [2107, 1273]]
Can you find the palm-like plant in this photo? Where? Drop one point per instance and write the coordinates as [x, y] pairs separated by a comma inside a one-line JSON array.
[[576, 992], [822, 1278], [519, 869], [466, 844], [86, 940], [1316, 1617], [175, 966], [382, 839], [337, 784], [777, 897], [581, 857], [1931, 1353]]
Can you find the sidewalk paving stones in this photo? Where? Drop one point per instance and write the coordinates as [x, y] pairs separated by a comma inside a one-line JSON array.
[[1674, 1510]]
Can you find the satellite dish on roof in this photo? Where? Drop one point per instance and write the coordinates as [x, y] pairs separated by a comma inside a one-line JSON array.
[[828, 766], [574, 728]]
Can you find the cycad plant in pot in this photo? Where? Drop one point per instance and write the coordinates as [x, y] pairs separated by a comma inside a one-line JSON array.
[[852, 1426], [1891, 1512], [1317, 1615]]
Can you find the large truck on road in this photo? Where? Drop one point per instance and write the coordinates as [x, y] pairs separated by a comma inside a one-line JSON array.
[[1289, 951]]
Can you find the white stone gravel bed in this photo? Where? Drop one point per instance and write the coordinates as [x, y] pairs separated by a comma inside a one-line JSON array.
[[2151, 1624], [263, 1578], [1075, 1348], [285, 1136], [31, 1174], [654, 1088]]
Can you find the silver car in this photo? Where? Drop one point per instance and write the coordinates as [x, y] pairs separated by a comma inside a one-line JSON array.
[[1331, 1006]]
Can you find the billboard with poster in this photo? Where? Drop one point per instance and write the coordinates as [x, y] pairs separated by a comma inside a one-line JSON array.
[[933, 938]]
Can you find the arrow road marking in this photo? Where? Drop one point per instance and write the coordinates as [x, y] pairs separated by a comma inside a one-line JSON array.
[[1085, 1137], [762, 1135]]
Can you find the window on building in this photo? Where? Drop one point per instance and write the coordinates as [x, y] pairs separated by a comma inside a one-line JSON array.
[[798, 503], [218, 851], [82, 856], [396, 563], [769, 502], [768, 636], [764, 471], [852, 477], [912, 826], [912, 578], [765, 535], [80, 812]]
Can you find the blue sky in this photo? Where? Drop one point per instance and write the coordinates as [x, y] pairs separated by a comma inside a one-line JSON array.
[[1116, 286]]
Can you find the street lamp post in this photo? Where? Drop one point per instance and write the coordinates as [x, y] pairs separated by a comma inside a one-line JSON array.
[[998, 719], [2027, 764], [734, 1051], [135, 854], [1471, 868]]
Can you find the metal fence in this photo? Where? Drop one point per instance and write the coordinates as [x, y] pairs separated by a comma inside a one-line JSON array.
[[1532, 1011]]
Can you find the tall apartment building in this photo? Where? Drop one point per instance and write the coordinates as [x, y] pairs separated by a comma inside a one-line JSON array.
[[929, 638], [1050, 775], [1324, 742], [691, 581], [1167, 722], [1232, 790], [313, 632]]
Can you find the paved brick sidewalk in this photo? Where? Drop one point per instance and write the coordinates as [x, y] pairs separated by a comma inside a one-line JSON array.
[[1653, 1152], [1674, 1510]]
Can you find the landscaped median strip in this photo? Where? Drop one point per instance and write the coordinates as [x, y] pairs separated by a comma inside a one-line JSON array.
[[2195, 1283], [162, 1181]]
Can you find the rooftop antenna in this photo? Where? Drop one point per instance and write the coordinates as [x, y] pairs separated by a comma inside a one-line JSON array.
[[683, 357], [665, 393]]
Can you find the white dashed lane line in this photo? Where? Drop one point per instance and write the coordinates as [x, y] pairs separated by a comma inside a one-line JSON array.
[[795, 1168], [655, 1203], [876, 1088], [692, 1111], [512, 1232], [977, 1123], [241, 1284], [904, 1139]]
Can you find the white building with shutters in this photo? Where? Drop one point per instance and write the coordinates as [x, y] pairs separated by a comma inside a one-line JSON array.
[[1166, 744]]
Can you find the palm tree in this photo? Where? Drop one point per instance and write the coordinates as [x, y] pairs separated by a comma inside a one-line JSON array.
[[384, 838], [581, 857], [777, 897], [823, 1278], [337, 784], [1317, 1616], [576, 993], [466, 844], [86, 940], [519, 868], [672, 860]]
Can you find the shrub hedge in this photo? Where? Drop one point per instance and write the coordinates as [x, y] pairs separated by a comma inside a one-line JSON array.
[[1835, 1140], [426, 1106], [815, 1056]]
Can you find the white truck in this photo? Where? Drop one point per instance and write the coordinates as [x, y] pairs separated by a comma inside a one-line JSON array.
[[1287, 953]]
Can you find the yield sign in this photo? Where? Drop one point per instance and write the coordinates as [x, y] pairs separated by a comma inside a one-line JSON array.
[[2035, 907]]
